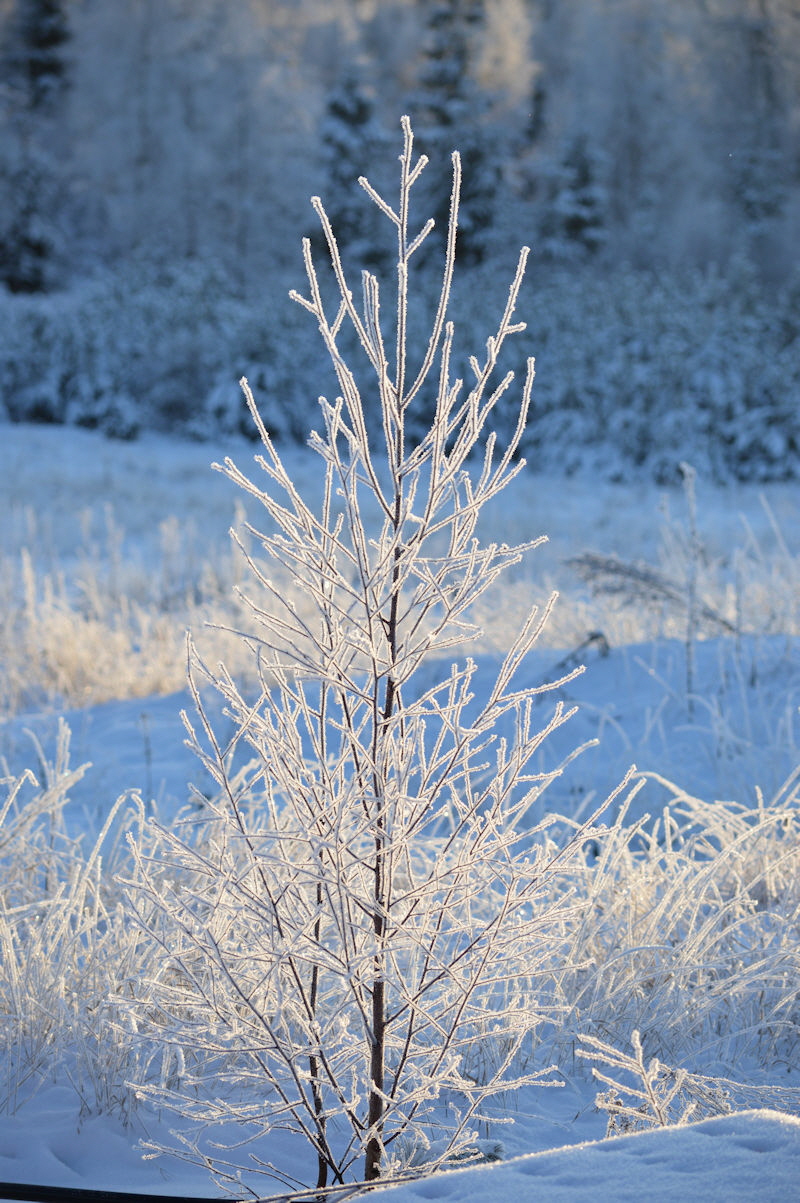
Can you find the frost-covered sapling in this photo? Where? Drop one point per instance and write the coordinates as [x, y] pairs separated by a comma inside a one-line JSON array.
[[353, 933]]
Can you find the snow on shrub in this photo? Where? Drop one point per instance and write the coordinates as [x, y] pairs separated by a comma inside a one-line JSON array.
[[369, 899]]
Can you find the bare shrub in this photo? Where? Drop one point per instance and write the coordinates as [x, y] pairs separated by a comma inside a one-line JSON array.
[[366, 901]]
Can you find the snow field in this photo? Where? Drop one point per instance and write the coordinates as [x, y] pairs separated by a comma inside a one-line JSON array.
[[131, 547], [683, 927]]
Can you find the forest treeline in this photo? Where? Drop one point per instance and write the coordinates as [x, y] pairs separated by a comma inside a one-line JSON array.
[[660, 131], [157, 157]]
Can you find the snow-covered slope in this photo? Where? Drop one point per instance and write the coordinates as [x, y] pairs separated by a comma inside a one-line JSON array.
[[754, 1155], [751, 1157]]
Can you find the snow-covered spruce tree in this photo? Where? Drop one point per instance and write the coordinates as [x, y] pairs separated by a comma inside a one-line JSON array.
[[351, 135], [353, 927], [29, 235], [35, 76], [449, 108], [34, 55], [576, 213]]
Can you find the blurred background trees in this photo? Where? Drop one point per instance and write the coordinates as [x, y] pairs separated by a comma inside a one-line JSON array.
[[650, 130], [150, 146], [35, 78]]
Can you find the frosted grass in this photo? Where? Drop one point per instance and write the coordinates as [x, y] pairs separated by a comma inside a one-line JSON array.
[[109, 551]]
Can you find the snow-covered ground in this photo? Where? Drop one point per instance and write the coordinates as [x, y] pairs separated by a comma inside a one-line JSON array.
[[752, 1157], [724, 725], [169, 514]]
